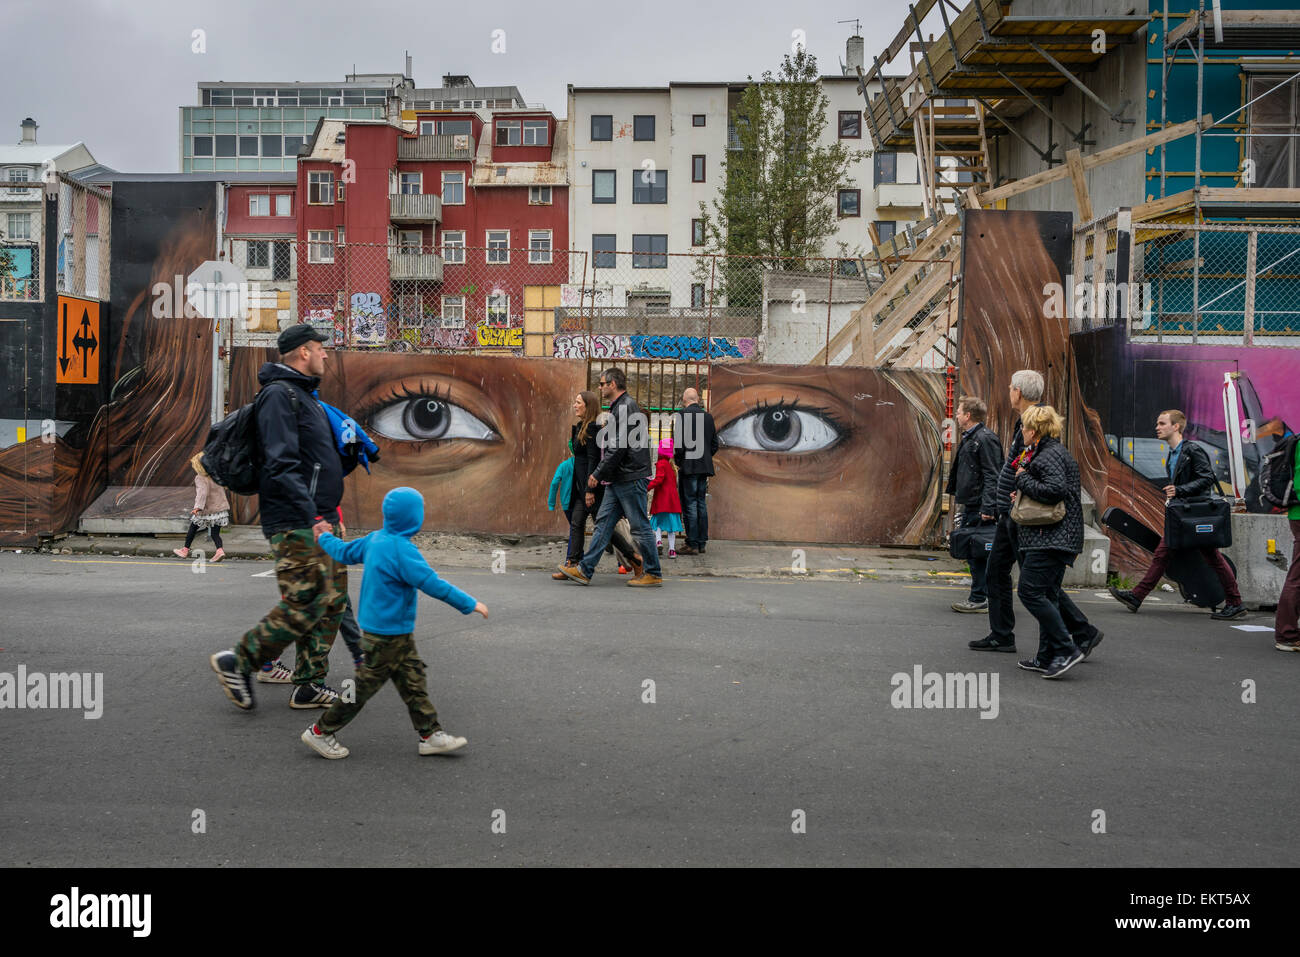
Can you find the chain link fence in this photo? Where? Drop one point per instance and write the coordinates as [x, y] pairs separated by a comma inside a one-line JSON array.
[[82, 255], [1220, 283], [642, 304], [22, 241]]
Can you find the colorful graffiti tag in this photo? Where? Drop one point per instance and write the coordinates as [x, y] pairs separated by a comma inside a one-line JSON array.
[[679, 348]]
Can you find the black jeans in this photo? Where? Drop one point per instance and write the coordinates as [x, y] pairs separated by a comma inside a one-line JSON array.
[[214, 531], [578, 513], [1041, 573], [1002, 614], [695, 509]]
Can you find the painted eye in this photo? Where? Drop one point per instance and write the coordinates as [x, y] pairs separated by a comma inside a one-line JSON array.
[[781, 428], [421, 418]]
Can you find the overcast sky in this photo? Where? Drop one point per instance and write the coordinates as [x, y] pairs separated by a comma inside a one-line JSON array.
[[112, 73]]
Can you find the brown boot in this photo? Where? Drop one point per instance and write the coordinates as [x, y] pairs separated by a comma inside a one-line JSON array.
[[688, 550], [646, 581]]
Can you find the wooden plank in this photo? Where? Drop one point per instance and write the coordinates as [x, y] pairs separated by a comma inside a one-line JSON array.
[[928, 333], [1101, 158], [1098, 271], [1230, 194], [1248, 317], [937, 278], [971, 198], [1079, 264], [1154, 209], [1082, 201]]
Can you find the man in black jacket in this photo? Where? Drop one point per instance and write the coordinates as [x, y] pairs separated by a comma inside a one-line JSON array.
[[1190, 474], [973, 484], [626, 466], [301, 483], [696, 442]]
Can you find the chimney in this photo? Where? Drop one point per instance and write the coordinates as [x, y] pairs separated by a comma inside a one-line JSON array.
[[408, 67], [853, 55], [28, 127]]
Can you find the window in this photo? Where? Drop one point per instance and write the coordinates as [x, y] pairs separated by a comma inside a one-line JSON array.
[[697, 169], [320, 189], [272, 145], [339, 192], [535, 133], [453, 312], [498, 242], [281, 260], [320, 245], [283, 204], [539, 196], [507, 133], [225, 146], [248, 146], [649, 251], [539, 245], [643, 127], [850, 125], [19, 175], [697, 295], [203, 146], [408, 240], [411, 184], [649, 186], [602, 128], [697, 119], [452, 127], [846, 267], [886, 165], [850, 203], [1274, 127], [885, 230], [604, 186], [453, 247], [259, 254], [697, 232], [453, 189], [602, 249], [340, 235], [498, 309], [20, 226], [292, 144], [259, 204]]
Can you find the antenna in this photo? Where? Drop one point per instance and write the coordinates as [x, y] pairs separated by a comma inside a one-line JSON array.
[[857, 25]]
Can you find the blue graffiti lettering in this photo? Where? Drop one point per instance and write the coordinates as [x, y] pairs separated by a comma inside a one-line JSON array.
[[682, 348]]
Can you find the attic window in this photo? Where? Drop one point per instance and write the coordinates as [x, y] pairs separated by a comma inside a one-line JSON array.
[[501, 172], [340, 138]]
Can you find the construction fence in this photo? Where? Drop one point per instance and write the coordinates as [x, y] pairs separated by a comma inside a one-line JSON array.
[[1174, 282], [643, 304], [79, 250]]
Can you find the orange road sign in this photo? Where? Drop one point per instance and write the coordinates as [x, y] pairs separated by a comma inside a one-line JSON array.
[[79, 342]]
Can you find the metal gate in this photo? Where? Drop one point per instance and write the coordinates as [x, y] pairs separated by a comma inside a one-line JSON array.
[[656, 386]]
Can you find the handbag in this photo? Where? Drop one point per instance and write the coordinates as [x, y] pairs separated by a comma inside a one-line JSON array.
[[1198, 523], [1029, 511]]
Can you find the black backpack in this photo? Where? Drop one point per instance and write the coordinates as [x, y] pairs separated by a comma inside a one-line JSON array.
[[232, 454], [1277, 475]]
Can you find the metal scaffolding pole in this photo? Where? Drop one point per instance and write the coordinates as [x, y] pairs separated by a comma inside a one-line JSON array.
[[1196, 186]]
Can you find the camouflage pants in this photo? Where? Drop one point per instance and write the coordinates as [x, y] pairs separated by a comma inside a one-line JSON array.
[[313, 592], [387, 656]]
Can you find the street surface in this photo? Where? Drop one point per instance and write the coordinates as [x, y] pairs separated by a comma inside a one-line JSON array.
[[771, 697]]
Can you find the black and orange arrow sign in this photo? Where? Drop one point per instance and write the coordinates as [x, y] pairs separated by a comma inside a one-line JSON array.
[[79, 341]]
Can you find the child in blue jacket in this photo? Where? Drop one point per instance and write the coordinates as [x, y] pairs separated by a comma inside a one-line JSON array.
[[395, 570]]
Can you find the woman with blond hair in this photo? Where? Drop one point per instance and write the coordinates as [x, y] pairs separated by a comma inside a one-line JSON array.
[[211, 511], [1047, 482]]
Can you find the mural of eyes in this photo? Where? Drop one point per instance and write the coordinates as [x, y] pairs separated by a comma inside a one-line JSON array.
[[419, 416], [783, 427]]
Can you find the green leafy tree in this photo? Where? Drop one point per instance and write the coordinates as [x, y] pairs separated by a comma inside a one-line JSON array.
[[778, 201]]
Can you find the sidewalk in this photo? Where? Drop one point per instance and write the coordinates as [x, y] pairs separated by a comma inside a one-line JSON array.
[[536, 553]]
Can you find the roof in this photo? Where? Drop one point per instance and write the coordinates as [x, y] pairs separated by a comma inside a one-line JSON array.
[[36, 153], [782, 283], [554, 172], [112, 176], [739, 84], [98, 172]]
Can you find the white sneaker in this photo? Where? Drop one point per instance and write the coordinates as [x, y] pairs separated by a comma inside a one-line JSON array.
[[277, 675], [324, 744], [440, 742]]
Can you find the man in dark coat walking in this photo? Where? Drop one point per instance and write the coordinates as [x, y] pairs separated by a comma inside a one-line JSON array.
[[973, 484], [695, 442]]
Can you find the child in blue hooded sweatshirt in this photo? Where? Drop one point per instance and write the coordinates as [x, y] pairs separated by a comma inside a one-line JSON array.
[[395, 569]]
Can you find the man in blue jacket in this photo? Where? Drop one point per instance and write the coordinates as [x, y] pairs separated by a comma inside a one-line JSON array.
[[301, 482], [395, 572]]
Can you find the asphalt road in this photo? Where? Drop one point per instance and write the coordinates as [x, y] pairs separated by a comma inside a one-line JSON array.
[[771, 698]]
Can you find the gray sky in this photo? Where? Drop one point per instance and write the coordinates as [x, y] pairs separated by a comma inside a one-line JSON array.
[[112, 73]]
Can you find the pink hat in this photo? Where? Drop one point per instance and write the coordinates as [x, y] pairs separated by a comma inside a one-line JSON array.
[[665, 448]]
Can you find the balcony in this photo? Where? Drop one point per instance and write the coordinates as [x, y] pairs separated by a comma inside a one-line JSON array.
[[442, 146], [414, 207], [899, 196], [404, 265]]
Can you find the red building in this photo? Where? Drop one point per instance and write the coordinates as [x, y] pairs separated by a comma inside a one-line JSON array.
[[445, 238]]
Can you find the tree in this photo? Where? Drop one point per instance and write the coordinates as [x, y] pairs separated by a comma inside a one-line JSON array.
[[778, 201]]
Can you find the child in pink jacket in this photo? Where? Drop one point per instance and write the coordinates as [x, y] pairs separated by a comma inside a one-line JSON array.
[[211, 511]]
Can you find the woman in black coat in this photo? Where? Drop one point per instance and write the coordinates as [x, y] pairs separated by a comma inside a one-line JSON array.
[[583, 501], [1047, 473]]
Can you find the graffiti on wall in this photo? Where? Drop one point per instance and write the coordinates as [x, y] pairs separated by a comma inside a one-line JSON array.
[[368, 319], [678, 348], [825, 455]]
